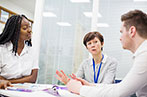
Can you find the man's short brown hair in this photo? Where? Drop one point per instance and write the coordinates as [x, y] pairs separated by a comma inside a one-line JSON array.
[[138, 19]]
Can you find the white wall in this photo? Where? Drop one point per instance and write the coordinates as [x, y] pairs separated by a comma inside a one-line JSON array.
[[15, 8]]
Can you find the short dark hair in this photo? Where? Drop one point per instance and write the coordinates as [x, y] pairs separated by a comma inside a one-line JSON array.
[[138, 19], [12, 30], [91, 35]]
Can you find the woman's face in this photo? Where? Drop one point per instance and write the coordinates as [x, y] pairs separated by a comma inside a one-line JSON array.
[[94, 46], [25, 30]]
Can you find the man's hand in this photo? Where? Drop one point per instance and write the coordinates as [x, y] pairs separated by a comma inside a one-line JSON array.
[[62, 77], [84, 82], [74, 86]]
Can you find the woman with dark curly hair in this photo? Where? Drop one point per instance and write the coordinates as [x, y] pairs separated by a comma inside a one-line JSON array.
[[16, 58]]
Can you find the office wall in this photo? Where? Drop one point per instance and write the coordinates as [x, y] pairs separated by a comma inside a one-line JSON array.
[[61, 46]]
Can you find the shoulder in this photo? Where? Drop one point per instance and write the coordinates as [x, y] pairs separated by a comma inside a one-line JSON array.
[[111, 61], [86, 61], [5, 46]]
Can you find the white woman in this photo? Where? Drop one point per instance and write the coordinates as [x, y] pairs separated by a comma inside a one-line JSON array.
[[100, 68]]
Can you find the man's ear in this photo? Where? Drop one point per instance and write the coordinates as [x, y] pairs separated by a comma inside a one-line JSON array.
[[132, 31]]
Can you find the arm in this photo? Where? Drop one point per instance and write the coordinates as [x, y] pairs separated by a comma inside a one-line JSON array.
[[2, 78], [110, 72], [30, 79], [80, 72], [135, 80]]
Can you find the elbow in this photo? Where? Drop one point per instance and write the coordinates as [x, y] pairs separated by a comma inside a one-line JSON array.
[[32, 80], [33, 76]]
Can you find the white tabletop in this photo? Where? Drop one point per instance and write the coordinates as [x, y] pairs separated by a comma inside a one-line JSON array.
[[37, 93]]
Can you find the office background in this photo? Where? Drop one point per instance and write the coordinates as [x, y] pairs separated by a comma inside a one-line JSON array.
[[62, 26]]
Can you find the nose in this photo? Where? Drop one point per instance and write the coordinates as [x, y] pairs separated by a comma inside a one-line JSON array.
[[92, 44], [29, 30]]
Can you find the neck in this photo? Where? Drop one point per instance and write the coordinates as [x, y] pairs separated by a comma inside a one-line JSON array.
[[97, 58], [20, 44], [137, 43]]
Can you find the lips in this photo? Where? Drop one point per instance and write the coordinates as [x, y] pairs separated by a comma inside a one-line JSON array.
[[29, 35], [93, 49]]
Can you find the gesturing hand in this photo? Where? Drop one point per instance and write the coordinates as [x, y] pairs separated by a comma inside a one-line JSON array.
[[62, 77]]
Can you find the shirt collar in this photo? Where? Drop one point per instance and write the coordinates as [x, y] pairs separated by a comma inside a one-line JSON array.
[[140, 48], [9, 45], [103, 61], [25, 50], [10, 48]]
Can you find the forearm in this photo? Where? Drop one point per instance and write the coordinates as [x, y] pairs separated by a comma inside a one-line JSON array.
[[26, 79], [2, 78]]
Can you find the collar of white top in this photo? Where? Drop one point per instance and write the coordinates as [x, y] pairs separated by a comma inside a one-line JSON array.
[[103, 61], [10, 47], [140, 48]]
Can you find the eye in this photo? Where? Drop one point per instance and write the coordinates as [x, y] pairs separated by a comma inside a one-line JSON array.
[[24, 28], [95, 41], [89, 43], [30, 26]]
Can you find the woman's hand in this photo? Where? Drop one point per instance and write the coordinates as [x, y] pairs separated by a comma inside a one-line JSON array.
[[4, 84], [62, 77]]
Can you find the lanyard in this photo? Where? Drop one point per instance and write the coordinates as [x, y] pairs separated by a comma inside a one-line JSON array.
[[96, 78]]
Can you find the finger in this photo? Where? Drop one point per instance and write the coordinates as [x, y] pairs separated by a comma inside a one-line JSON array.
[[72, 76], [2, 85], [79, 79], [64, 73], [58, 78], [9, 84], [61, 80], [5, 86], [58, 73]]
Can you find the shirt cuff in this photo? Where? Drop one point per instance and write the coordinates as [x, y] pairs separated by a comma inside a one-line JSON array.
[[84, 90]]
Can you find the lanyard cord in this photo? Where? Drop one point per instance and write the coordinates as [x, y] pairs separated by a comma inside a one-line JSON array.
[[96, 78]]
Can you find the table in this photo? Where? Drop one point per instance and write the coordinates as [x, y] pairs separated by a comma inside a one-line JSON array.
[[37, 91]]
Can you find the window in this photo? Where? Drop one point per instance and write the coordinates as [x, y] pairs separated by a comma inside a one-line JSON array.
[[4, 15]]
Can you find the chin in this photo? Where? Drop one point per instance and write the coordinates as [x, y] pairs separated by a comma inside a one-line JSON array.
[[94, 53], [124, 47]]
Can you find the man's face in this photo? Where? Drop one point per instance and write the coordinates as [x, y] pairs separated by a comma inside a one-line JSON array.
[[125, 39]]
